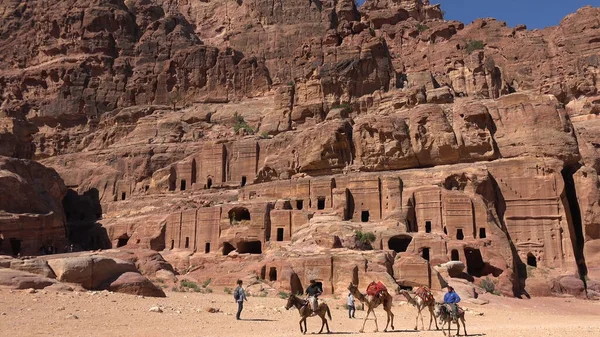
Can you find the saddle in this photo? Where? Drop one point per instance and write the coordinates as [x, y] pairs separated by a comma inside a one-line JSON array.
[[448, 309], [425, 294], [375, 289]]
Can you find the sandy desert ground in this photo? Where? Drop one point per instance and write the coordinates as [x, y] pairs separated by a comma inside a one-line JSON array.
[[111, 314]]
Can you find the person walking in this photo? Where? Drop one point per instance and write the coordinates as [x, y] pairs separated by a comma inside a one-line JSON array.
[[240, 296], [351, 307]]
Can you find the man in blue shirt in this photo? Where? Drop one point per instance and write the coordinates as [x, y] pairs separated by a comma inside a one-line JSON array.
[[451, 298]]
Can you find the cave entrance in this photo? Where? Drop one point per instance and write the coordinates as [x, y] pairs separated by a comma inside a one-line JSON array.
[[425, 253], [243, 181], [427, 226], [123, 195], [15, 246], [459, 234], [187, 242], [531, 260], [482, 233], [227, 248], [454, 256], [122, 241], [364, 216], [249, 247], [207, 247], [299, 204], [183, 184], [475, 264], [263, 272], [208, 183], [321, 203], [279, 234], [272, 274], [238, 214], [399, 243]]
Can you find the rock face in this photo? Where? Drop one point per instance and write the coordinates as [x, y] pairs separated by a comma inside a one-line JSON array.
[[272, 139]]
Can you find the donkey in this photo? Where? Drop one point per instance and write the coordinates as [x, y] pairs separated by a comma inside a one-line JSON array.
[[305, 311]]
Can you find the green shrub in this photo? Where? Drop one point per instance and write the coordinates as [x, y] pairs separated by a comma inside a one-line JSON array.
[[283, 294], [264, 135], [206, 283], [208, 291], [474, 45], [489, 285], [421, 28], [190, 285], [240, 123], [228, 290], [365, 238]]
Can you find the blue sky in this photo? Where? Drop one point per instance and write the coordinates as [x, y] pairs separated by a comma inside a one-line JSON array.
[[533, 13]]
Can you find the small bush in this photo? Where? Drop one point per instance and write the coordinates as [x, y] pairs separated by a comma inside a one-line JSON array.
[[175, 289], [240, 123], [264, 135], [228, 290], [489, 285], [421, 28], [283, 294], [206, 283], [367, 237], [371, 31], [208, 291], [474, 45], [190, 285]]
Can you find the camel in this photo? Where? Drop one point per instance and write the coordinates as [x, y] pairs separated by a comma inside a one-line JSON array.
[[373, 302], [420, 302], [444, 313], [305, 311]]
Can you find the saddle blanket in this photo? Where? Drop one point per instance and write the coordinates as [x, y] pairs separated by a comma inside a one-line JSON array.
[[425, 294], [375, 288]]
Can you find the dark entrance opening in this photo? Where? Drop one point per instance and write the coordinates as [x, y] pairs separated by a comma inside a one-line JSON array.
[[287, 204], [425, 253], [207, 247], [364, 216], [15, 246], [272, 274], [238, 214], [208, 183], [122, 241], [445, 230], [459, 234], [320, 203], [399, 243], [187, 242], [227, 248], [194, 172], [299, 204], [531, 260], [172, 244], [482, 233], [427, 226], [279, 234], [123, 195], [475, 264], [454, 255], [243, 181], [249, 247], [183, 183], [263, 272], [146, 188]]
